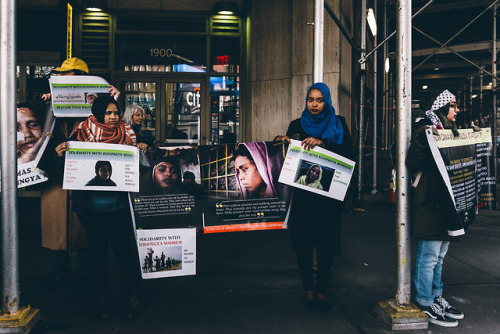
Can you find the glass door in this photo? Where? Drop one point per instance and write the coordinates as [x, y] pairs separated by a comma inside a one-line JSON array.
[[172, 108], [183, 101]]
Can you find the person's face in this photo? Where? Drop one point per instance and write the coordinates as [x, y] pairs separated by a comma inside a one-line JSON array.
[[315, 102], [313, 173], [91, 99], [111, 115], [29, 126], [137, 117], [66, 73], [247, 173], [453, 111], [166, 175], [104, 172]]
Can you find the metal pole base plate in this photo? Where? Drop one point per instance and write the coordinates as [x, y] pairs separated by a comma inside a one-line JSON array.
[[22, 321], [401, 317]]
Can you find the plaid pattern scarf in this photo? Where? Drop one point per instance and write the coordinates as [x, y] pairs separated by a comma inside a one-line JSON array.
[[91, 130]]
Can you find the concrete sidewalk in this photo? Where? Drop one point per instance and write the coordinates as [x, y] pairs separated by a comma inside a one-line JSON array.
[[248, 282]]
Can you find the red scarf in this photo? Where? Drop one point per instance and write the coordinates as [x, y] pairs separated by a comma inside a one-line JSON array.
[[92, 131]]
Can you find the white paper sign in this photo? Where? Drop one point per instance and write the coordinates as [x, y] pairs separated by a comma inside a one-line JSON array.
[[318, 170], [99, 166], [167, 252], [73, 95]]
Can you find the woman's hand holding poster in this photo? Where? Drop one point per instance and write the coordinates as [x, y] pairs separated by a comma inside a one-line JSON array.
[[318, 170], [99, 166]]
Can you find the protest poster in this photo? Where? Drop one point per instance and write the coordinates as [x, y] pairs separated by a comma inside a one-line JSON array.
[[170, 192], [456, 159], [167, 252], [317, 170], [35, 123], [241, 188], [485, 167], [73, 95], [100, 166]]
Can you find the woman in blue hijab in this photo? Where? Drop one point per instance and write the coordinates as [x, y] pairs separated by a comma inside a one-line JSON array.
[[315, 220]]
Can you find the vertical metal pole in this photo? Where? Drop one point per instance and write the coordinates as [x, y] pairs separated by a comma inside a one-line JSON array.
[[375, 109], [10, 263], [385, 114], [362, 104], [403, 134], [494, 86], [481, 75], [471, 118], [319, 18]]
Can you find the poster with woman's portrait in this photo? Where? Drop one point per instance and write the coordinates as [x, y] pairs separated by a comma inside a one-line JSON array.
[[240, 183], [169, 189], [101, 167], [35, 123], [318, 170]]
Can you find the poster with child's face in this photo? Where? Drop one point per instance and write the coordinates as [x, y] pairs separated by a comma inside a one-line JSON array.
[[35, 122], [101, 167]]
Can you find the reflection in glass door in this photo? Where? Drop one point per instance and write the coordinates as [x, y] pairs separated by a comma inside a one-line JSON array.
[[143, 94], [183, 106]]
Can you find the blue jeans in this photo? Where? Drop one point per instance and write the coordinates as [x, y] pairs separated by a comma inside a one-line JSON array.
[[427, 271]]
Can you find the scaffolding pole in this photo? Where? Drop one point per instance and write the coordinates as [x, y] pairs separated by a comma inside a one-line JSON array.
[[361, 132], [400, 313], [375, 109], [494, 87], [13, 318], [319, 20]]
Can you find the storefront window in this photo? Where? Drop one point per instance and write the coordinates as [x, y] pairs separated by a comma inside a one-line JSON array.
[[224, 109], [161, 53], [143, 95], [225, 54], [183, 112]]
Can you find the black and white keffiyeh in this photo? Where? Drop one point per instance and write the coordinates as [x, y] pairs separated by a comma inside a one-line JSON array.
[[443, 99]]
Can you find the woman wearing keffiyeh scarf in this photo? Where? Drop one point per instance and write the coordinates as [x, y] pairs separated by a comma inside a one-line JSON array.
[[105, 215], [434, 220]]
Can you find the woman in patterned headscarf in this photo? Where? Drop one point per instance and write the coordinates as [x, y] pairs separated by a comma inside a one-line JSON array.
[[315, 220], [435, 221]]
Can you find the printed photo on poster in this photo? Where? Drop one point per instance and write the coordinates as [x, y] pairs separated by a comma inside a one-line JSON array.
[[241, 185], [167, 252], [73, 95], [99, 166], [35, 123], [170, 190], [317, 170]]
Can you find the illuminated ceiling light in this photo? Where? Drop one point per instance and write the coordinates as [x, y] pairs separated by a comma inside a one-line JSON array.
[[387, 65], [372, 22], [225, 8], [95, 5], [425, 87], [436, 68], [474, 96], [489, 84]]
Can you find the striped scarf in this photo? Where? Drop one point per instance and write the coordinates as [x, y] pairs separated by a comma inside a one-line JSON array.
[[91, 130]]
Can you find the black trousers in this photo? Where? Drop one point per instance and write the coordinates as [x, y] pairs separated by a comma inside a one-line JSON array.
[[113, 229], [323, 233]]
